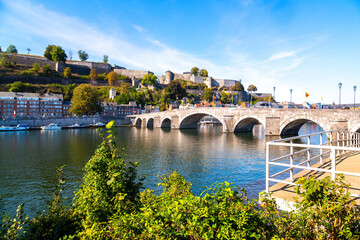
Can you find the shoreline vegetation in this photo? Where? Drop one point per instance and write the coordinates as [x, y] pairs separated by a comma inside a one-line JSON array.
[[110, 203]]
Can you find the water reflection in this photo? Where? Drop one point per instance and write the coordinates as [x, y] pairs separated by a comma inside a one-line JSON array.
[[204, 156]]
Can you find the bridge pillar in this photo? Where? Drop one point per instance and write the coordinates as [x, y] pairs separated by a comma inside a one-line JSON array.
[[157, 122], [143, 123], [272, 126], [338, 125], [175, 122], [228, 125]]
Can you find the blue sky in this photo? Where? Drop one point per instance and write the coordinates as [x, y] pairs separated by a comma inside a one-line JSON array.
[[307, 46]]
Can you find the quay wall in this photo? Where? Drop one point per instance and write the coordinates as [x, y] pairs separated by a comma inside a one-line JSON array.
[[65, 121]]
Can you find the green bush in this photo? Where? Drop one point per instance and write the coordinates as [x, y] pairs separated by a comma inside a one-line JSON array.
[[86, 77], [67, 72], [46, 68], [36, 67]]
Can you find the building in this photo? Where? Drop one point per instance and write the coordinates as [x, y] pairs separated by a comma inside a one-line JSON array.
[[110, 109], [128, 109], [14, 104], [66, 109]]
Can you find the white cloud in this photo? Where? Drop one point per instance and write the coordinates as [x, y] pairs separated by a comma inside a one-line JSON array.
[[281, 55]]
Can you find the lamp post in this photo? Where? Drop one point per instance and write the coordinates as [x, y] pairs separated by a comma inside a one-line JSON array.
[[274, 88], [354, 94], [340, 85], [291, 95]]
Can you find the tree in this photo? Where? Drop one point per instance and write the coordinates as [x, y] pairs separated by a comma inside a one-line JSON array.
[[46, 68], [83, 56], [239, 86], [195, 71], [251, 89], [67, 72], [225, 98], [176, 90], [85, 100], [28, 49], [106, 59], [36, 67], [203, 73], [48, 51], [93, 75], [0, 49], [208, 95], [58, 54], [149, 79], [11, 49], [112, 78]]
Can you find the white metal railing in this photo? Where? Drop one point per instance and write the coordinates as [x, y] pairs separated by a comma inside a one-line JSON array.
[[300, 154]]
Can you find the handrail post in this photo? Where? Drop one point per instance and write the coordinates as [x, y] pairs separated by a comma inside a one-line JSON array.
[[333, 165], [338, 141], [308, 153], [321, 150], [267, 167], [291, 161]]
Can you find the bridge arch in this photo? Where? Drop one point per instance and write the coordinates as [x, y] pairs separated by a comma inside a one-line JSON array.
[[355, 128], [292, 125], [150, 123], [166, 123], [191, 120], [138, 122], [246, 124]]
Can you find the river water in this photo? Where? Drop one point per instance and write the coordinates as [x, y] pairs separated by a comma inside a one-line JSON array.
[[204, 156]]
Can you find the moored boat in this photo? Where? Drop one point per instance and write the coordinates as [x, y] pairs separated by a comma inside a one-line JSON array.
[[98, 124], [19, 127], [51, 126], [77, 125]]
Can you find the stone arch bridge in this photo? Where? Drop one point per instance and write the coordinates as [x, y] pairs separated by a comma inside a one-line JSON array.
[[276, 121]]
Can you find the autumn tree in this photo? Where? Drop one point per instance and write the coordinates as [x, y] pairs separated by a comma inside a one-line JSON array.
[[85, 100], [149, 79], [11, 49], [239, 87], [67, 72], [195, 71], [83, 56], [112, 78], [93, 75], [203, 73]]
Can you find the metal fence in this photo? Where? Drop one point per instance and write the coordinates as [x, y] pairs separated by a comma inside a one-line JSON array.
[[303, 154]]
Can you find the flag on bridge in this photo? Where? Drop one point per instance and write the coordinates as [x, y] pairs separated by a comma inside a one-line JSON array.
[[307, 95]]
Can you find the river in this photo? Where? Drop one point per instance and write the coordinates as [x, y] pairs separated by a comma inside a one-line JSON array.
[[204, 156]]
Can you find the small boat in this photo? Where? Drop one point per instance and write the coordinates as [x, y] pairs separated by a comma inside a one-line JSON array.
[[19, 127], [51, 126], [206, 121], [77, 125], [98, 124]]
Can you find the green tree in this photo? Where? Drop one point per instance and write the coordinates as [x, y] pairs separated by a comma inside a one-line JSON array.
[[83, 56], [85, 100], [105, 58], [203, 73], [112, 78], [225, 98], [149, 79], [11, 49], [4, 61], [239, 86], [93, 75], [48, 51], [176, 90], [208, 94], [195, 71], [251, 89], [67, 72], [58, 54], [36, 67]]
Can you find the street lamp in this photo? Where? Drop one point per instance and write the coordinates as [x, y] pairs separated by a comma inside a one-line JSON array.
[[291, 95], [354, 94], [340, 85], [274, 88]]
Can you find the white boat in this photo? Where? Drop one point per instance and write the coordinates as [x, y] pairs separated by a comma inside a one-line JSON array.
[[51, 126], [19, 127], [208, 121], [77, 125], [98, 124]]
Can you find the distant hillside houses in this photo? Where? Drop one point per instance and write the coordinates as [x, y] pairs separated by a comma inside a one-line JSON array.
[[209, 81]]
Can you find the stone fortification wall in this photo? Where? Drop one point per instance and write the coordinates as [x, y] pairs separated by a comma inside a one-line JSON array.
[[29, 60], [83, 68], [132, 73], [41, 80], [223, 82], [65, 121]]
